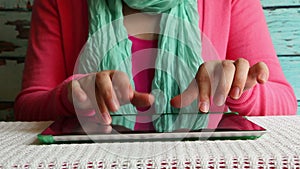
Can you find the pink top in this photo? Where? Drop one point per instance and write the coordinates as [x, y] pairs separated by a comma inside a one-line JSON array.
[[231, 29], [143, 61]]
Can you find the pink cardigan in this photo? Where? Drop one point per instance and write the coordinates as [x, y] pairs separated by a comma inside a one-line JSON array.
[[235, 29]]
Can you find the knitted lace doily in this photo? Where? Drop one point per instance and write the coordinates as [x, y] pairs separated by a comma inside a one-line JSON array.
[[279, 148]]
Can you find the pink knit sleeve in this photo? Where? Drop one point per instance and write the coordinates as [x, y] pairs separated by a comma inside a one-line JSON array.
[[44, 87], [249, 38]]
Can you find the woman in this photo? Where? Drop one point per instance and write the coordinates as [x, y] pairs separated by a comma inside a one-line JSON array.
[[235, 44]]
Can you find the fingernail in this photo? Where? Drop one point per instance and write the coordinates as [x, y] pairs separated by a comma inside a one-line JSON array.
[[106, 118], [204, 107], [235, 93], [220, 100]]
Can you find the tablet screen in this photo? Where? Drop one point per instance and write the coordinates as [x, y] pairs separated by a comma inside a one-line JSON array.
[[230, 125]]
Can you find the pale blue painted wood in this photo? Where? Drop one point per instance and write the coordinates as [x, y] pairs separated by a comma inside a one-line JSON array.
[[283, 19], [284, 26], [291, 69], [267, 3]]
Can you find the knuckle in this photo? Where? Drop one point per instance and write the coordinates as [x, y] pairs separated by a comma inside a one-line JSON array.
[[242, 61], [202, 74], [203, 66], [119, 77], [121, 73], [261, 65], [100, 75], [118, 74], [227, 64], [202, 78], [203, 69]]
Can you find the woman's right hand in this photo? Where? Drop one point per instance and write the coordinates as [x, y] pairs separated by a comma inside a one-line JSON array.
[[105, 92]]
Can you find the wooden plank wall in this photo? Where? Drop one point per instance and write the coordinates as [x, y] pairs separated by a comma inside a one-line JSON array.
[[278, 3], [283, 18]]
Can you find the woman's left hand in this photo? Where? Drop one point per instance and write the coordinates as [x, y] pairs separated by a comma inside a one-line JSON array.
[[221, 79]]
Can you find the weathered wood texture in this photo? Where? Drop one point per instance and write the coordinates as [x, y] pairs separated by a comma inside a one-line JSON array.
[[291, 69], [283, 18], [271, 3], [284, 26]]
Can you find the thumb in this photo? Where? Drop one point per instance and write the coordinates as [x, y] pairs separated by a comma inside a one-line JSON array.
[[142, 99], [77, 92]]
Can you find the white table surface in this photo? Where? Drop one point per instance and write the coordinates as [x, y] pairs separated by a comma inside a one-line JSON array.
[[279, 148]]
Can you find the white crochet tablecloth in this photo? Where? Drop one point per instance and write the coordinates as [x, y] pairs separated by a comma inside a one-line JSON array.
[[279, 148]]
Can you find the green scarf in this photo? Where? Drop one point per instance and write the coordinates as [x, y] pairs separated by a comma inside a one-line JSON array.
[[179, 54]]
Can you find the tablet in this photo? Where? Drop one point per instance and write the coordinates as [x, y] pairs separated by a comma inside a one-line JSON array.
[[163, 127]]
